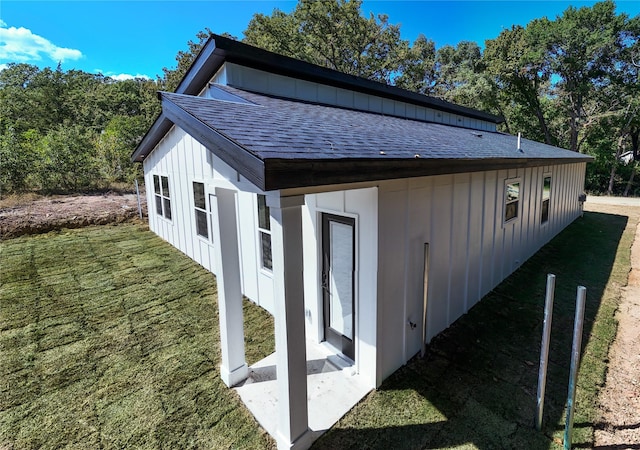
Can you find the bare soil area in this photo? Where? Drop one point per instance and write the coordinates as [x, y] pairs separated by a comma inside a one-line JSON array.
[[619, 426], [31, 215]]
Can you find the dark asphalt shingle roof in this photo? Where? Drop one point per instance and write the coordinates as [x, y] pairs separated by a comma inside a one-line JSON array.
[[270, 127], [280, 143]]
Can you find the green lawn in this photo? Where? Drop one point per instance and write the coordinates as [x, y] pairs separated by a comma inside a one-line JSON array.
[[109, 338]]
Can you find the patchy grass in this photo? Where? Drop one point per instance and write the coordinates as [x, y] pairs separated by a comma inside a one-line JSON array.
[[109, 339], [13, 200], [476, 388]]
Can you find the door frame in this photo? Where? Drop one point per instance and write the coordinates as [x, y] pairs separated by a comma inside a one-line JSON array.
[[211, 197], [342, 343]]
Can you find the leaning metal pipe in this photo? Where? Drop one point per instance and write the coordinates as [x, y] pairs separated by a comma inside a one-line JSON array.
[[138, 197], [425, 295], [544, 351], [575, 363]]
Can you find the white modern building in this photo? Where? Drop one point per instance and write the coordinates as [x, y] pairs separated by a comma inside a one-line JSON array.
[[365, 218]]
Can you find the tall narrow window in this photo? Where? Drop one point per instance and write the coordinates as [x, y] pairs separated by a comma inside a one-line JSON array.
[[158, 194], [546, 196], [162, 196], [264, 229], [200, 203], [511, 200]]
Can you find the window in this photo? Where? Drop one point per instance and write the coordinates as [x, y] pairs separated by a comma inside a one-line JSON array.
[[511, 200], [202, 225], [162, 196], [546, 196], [264, 228]]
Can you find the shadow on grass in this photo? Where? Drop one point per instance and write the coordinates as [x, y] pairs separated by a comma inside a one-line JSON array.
[[477, 384]]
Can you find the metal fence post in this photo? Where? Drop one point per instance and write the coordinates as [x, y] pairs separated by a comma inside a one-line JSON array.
[[544, 350], [138, 197], [575, 364], [425, 298]]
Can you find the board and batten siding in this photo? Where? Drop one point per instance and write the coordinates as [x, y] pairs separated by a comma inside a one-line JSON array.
[[180, 158], [360, 205], [184, 160], [255, 80], [472, 250]]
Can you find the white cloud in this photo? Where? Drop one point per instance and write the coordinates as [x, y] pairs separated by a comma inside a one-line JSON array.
[[121, 76], [126, 76], [21, 45], [3, 66]]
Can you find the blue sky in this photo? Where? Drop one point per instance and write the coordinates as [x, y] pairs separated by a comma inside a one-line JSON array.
[[123, 38]]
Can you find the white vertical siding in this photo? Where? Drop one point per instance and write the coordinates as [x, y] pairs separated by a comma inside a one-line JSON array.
[[474, 238], [272, 84], [471, 248], [418, 227], [489, 224], [184, 160], [459, 244], [392, 226], [248, 245], [360, 204], [497, 252], [440, 214]]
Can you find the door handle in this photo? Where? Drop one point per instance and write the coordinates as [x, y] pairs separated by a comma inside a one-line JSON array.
[[324, 284]]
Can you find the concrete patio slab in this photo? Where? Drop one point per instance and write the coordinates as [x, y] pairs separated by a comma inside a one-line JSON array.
[[333, 388]]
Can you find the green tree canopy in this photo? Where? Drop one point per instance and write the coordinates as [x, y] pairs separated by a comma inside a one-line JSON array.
[[333, 34], [53, 121]]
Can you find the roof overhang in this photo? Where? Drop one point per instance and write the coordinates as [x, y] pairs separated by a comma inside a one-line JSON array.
[[279, 173], [287, 174]]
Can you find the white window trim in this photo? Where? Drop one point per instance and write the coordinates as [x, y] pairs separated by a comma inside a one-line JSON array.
[[162, 215], [209, 237], [259, 232], [508, 181]]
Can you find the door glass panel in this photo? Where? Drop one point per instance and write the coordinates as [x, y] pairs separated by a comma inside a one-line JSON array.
[[341, 279]]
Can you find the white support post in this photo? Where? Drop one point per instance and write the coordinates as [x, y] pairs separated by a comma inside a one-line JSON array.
[[234, 368], [286, 234]]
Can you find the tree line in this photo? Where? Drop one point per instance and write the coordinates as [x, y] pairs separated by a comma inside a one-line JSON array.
[[572, 81], [70, 131]]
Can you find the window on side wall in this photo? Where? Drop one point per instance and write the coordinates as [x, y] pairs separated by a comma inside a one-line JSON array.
[[511, 200], [546, 196], [162, 196], [200, 203], [264, 230]]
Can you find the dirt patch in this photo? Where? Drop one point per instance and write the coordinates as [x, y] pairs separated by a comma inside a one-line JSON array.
[[619, 425], [29, 215]]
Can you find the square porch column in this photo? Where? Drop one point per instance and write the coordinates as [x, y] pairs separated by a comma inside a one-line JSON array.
[[291, 363], [234, 368]]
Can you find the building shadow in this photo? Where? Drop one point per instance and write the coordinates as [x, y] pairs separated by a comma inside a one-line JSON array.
[[477, 383]]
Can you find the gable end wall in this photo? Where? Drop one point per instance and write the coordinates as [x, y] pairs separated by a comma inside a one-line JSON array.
[[184, 160]]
